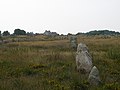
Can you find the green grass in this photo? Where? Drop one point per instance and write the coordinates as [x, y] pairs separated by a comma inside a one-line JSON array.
[[50, 65]]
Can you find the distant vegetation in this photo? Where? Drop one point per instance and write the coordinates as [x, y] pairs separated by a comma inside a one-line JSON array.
[[19, 32], [100, 32], [49, 33], [6, 33]]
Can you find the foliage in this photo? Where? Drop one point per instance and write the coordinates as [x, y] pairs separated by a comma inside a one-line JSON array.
[[0, 33], [100, 32], [0, 36], [103, 32], [6, 33], [19, 32]]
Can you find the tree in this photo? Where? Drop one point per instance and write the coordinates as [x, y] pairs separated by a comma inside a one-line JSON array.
[[19, 32], [6, 33], [0, 33], [103, 32], [0, 36]]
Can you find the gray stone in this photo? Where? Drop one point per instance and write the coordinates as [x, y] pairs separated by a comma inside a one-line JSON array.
[[82, 47], [83, 62], [94, 78], [73, 42], [83, 59]]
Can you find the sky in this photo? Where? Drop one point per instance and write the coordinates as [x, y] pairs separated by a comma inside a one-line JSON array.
[[61, 16]]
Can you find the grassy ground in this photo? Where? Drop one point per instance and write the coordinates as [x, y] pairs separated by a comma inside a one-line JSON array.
[[50, 65]]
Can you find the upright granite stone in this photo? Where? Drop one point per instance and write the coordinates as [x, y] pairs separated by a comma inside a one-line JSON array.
[[94, 78], [73, 42], [83, 59], [82, 47]]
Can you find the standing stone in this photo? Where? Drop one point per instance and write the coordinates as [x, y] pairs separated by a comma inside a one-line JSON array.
[[82, 47], [83, 59], [73, 42], [83, 62], [94, 78]]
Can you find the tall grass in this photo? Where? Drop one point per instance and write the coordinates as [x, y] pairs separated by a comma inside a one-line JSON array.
[[114, 53], [50, 65]]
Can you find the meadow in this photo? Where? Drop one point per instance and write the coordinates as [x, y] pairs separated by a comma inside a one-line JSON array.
[[49, 64]]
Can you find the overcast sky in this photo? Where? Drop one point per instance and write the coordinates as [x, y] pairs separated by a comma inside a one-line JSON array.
[[62, 16]]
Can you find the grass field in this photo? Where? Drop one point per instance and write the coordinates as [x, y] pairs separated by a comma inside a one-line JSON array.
[[50, 65]]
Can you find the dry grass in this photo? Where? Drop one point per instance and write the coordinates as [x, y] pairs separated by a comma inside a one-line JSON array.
[[50, 65]]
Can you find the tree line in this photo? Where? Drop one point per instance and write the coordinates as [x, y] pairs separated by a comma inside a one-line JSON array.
[[95, 32], [16, 32], [100, 32]]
